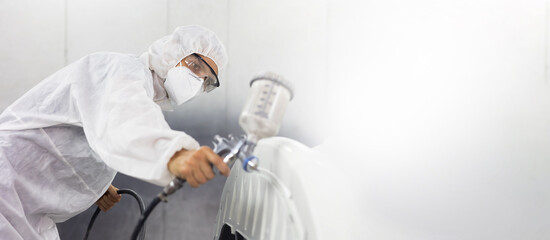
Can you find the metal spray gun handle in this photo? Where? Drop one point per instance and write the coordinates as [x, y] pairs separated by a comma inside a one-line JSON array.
[[228, 148]]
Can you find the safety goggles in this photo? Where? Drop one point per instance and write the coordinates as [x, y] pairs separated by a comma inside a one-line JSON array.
[[198, 66]]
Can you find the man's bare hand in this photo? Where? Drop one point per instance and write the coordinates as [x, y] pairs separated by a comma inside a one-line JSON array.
[[194, 165], [109, 199]]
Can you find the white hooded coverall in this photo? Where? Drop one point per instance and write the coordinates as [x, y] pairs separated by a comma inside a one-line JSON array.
[[62, 143]]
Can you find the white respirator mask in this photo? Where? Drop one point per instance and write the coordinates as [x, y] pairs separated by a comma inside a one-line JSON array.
[[182, 85]]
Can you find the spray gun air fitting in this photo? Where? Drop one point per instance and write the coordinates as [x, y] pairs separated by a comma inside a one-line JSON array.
[[261, 118]]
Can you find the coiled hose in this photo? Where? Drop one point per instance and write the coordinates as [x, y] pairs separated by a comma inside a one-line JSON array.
[[141, 209]]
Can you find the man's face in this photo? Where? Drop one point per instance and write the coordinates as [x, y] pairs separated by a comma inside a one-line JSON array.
[[203, 67]]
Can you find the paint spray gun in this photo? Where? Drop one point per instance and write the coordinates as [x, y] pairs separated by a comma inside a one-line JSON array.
[[261, 118]]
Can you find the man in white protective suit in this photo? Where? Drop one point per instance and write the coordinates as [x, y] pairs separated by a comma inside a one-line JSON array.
[[62, 143]]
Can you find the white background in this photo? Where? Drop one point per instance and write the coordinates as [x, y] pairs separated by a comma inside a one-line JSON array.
[[438, 112]]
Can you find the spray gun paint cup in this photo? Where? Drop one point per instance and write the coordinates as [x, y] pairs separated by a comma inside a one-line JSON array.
[[264, 110]]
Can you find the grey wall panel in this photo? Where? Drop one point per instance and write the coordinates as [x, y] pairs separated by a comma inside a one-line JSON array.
[[32, 45], [203, 116], [289, 38]]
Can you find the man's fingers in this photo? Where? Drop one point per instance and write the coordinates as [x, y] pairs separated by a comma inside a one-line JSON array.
[[213, 158], [113, 193], [195, 166], [206, 170], [101, 205], [201, 179], [106, 208], [191, 181], [112, 190], [114, 198], [107, 202], [111, 197]]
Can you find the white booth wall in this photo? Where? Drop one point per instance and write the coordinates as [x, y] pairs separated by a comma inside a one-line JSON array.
[[447, 129]]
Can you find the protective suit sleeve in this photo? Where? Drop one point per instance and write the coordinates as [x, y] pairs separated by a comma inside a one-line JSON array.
[[123, 125]]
